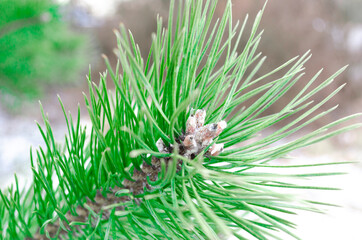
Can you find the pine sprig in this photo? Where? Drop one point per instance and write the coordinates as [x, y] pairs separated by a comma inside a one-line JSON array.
[[85, 187]]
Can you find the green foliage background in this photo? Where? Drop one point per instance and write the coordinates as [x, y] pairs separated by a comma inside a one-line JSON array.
[[36, 48]]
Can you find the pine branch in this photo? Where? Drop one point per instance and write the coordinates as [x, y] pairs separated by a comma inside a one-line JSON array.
[[151, 167], [195, 141]]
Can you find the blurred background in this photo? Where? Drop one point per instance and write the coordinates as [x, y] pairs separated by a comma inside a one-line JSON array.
[[46, 48]]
